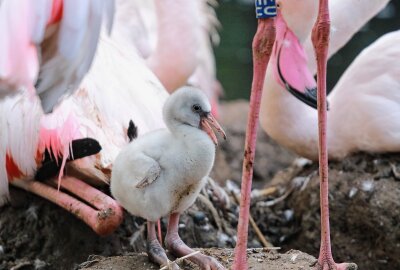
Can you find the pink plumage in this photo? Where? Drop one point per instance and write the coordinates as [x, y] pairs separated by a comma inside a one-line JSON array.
[[65, 36], [19, 63], [46, 48], [359, 104]]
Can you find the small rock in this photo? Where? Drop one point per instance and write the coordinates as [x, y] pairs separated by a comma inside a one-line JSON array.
[[199, 218], [367, 185], [353, 191], [288, 214], [293, 258], [39, 264]]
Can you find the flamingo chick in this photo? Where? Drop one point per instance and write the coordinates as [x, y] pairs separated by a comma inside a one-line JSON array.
[[162, 173]]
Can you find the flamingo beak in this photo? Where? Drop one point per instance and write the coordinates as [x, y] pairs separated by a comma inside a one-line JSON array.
[[291, 68], [208, 122]]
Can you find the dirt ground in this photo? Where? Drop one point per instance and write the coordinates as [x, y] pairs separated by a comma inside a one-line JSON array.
[[364, 196], [258, 259], [365, 210]]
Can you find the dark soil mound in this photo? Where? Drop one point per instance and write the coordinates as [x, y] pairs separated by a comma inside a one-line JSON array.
[[365, 211]]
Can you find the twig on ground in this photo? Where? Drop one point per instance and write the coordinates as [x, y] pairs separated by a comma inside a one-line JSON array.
[[212, 209], [21, 265], [263, 248], [396, 172], [277, 200], [179, 260], [136, 235], [258, 193]]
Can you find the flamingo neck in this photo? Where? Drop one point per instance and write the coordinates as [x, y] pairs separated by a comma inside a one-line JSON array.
[[286, 119], [175, 56]]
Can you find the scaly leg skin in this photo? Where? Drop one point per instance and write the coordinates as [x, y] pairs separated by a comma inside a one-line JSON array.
[[176, 246], [320, 39], [102, 213], [262, 49], [154, 250]]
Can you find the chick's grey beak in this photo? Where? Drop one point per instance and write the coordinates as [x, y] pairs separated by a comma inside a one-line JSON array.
[[207, 123]]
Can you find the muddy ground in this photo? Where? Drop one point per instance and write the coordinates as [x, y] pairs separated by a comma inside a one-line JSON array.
[[365, 213]]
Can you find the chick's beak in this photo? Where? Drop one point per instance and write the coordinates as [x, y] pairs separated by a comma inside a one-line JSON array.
[[208, 122]]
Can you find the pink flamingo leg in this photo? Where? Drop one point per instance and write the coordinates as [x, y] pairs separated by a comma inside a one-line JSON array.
[[262, 49], [320, 39], [102, 213]]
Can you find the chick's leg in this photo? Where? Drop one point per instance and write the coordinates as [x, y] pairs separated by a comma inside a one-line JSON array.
[[154, 250], [175, 244]]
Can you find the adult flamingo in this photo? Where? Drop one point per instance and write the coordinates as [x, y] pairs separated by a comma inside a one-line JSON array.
[[362, 119], [140, 98], [46, 49], [118, 67], [320, 39]]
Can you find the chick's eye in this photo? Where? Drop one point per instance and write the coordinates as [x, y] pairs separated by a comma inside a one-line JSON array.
[[196, 108]]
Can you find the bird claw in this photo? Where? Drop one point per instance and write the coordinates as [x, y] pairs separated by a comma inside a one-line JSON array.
[[157, 255], [326, 265], [209, 263], [176, 246]]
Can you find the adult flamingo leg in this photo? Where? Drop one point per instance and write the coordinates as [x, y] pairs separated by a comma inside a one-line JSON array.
[[101, 212], [262, 48], [320, 39]]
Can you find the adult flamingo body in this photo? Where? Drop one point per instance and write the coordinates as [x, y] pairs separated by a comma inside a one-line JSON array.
[[363, 104], [300, 127], [47, 47], [118, 67]]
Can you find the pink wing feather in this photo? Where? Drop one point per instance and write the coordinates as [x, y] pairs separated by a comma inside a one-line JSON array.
[[49, 45], [19, 59], [30, 45]]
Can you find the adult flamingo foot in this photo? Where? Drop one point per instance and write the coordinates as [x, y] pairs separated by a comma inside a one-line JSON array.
[[99, 211], [328, 264], [176, 246]]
